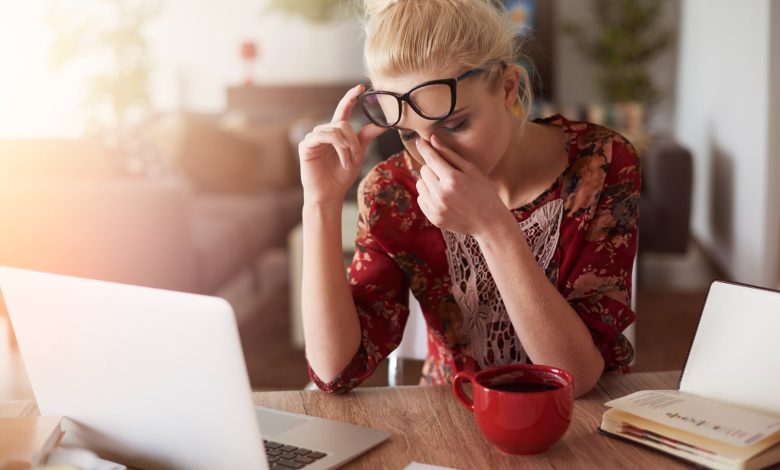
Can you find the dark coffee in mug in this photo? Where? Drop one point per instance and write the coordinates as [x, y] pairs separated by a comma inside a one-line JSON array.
[[527, 421], [523, 387]]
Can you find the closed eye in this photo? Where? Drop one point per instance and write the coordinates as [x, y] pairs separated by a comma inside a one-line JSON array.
[[407, 136], [458, 128], [411, 135]]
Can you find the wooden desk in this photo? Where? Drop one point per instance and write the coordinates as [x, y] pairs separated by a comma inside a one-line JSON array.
[[429, 426]]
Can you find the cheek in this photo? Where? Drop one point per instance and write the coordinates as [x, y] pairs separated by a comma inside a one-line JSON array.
[[483, 144]]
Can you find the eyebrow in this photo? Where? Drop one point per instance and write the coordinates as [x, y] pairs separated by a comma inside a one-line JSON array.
[[454, 113]]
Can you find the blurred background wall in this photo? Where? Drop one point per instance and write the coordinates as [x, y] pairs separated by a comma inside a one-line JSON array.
[[194, 48], [198, 49], [727, 98]]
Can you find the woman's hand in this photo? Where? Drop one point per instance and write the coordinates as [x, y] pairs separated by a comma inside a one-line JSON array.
[[332, 153], [454, 194]]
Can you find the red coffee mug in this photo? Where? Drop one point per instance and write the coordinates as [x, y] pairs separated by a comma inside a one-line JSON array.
[[519, 422]]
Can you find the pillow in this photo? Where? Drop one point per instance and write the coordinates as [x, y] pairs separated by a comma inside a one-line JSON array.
[[277, 160], [214, 160]]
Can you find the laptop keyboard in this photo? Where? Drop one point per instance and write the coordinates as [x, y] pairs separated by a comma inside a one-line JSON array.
[[284, 457]]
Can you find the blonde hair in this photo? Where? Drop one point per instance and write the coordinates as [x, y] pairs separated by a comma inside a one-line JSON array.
[[446, 36]]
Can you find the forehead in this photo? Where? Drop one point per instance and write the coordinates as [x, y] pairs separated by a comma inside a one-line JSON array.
[[403, 83]]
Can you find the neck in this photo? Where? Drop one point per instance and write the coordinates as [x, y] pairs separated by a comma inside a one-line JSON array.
[[534, 158], [516, 163]]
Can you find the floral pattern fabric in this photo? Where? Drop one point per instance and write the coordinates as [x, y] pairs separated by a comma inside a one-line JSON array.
[[588, 255]]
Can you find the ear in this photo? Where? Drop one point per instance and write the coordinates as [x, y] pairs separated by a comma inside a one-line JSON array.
[[510, 85]]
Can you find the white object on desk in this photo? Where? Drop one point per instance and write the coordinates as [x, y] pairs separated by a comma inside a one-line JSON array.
[[425, 466], [81, 459]]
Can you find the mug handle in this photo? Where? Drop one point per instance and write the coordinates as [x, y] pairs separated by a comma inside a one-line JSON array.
[[457, 389]]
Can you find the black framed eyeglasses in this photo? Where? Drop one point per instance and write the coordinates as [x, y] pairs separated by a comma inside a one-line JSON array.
[[433, 100]]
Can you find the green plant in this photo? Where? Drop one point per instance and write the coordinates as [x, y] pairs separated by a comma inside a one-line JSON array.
[[626, 40], [316, 11], [112, 36]]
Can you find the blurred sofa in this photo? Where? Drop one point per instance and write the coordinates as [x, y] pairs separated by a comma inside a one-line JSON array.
[[667, 197], [215, 221]]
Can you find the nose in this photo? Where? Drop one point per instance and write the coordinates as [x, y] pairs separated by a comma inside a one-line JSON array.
[[426, 134], [412, 121]]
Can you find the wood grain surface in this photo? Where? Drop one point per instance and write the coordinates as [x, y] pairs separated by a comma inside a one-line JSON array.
[[429, 426]]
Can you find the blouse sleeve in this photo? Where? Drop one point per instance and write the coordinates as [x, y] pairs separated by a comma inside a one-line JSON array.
[[379, 289], [599, 288]]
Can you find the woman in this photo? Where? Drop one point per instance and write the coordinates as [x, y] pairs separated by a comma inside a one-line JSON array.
[[517, 237]]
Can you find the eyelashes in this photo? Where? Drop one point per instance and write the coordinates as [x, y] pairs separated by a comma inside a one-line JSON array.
[[406, 137]]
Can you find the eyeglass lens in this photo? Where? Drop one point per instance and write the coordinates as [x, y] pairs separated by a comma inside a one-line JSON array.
[[432, 101]]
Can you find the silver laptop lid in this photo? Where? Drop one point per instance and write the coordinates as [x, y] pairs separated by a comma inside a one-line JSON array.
[[150, 378]]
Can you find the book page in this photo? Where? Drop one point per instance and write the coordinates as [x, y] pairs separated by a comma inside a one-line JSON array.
[[702, 416], [735, 354], [646, 431]]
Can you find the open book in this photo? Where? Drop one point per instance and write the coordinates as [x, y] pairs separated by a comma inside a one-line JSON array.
[[726, 413]]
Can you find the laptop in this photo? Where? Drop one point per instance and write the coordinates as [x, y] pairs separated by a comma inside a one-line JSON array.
[[156, 379]]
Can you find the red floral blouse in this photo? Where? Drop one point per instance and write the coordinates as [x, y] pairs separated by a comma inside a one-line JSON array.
[[582, 231]]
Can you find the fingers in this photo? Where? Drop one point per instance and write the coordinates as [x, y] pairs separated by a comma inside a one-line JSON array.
[[426, 210], [430, 196], [422, 190], [330, 136], [450, 155], [432, 158], [346, 131], [429, 177], [370, 132], [423, 199], [333, 137], [347, 104]]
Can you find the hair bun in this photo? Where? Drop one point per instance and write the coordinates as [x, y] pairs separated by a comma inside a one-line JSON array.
[[374, 7]]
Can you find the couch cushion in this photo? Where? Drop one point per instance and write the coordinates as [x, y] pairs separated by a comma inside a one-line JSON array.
[[215, 160], [277, 158], [264, 217], [228, 155], [221, 251]]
